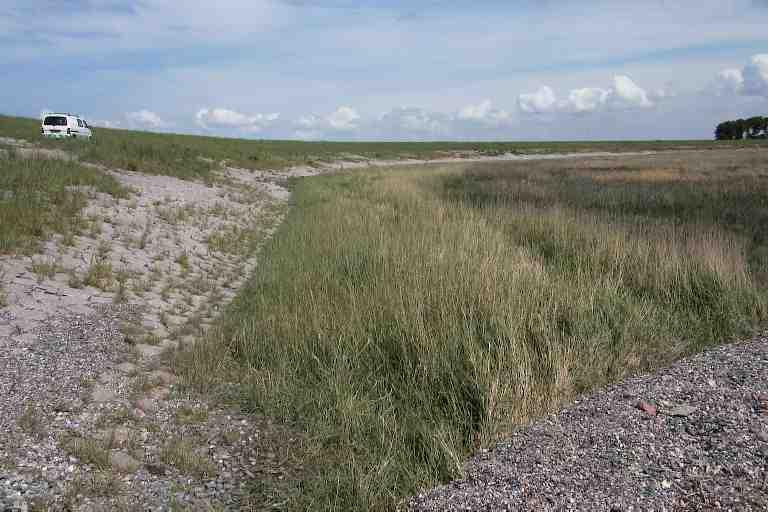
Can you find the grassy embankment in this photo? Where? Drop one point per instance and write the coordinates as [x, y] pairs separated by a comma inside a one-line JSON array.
[[402, 318], [39, 197], [189, 156]]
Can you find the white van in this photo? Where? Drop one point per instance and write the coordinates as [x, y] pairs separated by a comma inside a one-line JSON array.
[[64, 125]]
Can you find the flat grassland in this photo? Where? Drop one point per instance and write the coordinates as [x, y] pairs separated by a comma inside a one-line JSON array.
[[189, 156], [405, 317]]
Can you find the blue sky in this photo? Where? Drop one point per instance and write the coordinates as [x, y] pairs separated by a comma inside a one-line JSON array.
[[406, 70]]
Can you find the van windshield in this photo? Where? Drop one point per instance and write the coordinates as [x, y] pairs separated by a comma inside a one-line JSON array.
[[55, 121]]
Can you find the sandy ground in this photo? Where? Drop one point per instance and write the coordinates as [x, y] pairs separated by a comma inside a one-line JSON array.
[[82, 338], [152, 249]]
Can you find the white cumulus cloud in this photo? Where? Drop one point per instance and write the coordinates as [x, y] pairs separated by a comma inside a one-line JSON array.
[[483, 112], [539, 102], [623, 94], [751, 80], [145, 118], [627, 93], [587, 99], [344, 118], [729, 81], [756, 76], [412, 122], [226, 118]]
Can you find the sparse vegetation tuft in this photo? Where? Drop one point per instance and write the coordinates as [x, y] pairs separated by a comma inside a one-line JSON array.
[[89, 451], [99, 274], [233, 239], [181, 454], [186, 415], [30, 422], [44, 268], [100, 483], [3, 293]]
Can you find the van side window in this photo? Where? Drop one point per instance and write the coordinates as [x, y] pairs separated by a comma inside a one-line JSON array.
[[85, 123], [79, 123]]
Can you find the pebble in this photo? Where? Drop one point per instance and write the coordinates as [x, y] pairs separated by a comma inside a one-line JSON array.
[[74, 405], [680, 410], [163, 376], [126, 367], [169, 344], [148, 405], [101, 393], [148, 351], [123, 462], [647, 408]]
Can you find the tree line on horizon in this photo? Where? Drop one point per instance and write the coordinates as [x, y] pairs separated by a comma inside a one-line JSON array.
[[752, 128]]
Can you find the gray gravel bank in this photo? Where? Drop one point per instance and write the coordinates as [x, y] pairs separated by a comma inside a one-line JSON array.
[[693, 436]]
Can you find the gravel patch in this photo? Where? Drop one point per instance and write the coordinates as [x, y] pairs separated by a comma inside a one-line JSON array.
[[41, 385], [693, 436]]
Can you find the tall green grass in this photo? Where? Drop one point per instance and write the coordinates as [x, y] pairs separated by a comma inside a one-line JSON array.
[[39, 197], [402, 327]]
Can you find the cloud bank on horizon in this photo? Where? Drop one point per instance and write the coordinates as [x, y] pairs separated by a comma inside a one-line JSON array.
[[354, 70]]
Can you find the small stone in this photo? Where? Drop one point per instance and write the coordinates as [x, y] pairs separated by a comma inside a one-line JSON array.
[[68, 405], [106, 377], [160, 393], [138, 413], [155, 468], [680, 410], [102, 394], [123, 462], [148, 405], [148, 351], [18, 505], [126, 367], [666, 484], [762, 435], [165, 377], [647, 408], [117, 437], [169, 344], [760, 402]]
